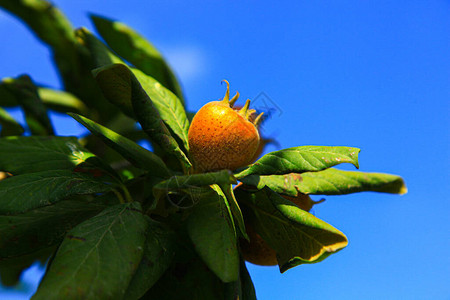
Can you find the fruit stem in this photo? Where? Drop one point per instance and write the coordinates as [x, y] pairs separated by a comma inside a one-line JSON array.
[[226, 99], [244, 110], [258, 119], [234, 99], [128, 197], [119, 196]]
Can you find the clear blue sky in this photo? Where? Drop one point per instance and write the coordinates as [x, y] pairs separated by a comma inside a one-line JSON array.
[[369, 74]]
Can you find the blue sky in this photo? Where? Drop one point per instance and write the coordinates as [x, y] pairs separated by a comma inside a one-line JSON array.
[[369, 74]]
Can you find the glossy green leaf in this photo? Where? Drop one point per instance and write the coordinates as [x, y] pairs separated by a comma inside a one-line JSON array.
[[19, 194], [297, 236], [120, 87], [62, 101], [218, 250], [128, 91], [98, 258], [301, 159], [20, 155], [329, 182], [35, 111], [136, 49], [9, 126], [168, 105], [158, 254], [135, 154], [42, 227], [192, 181]]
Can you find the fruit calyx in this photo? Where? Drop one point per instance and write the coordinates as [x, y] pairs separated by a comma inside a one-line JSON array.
[[245, 112], [221, 137]]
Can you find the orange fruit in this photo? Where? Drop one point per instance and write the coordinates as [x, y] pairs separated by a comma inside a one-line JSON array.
[[221, 137]]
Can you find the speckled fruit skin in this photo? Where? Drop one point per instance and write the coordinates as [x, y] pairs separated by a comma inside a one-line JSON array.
[[221, 138]]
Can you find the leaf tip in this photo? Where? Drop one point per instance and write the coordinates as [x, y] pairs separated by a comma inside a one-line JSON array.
[[403, 189]]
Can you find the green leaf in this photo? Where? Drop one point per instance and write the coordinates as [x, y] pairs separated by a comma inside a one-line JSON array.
[[52, 27], [329, 182], [247, 287], [62, 101], [242, 288], [116, 86], [42, 227], [301, 159], [168, 105], [27, 96], [19, 194], [128, 93], [135, 154], [192, 181], [47, 22], [98, 258], [9, 126], [227, 190], [20, 155], [297, 236], [158, 254], [122, 88], [100, 54], [211, 229], [136, 49], [7, 99]]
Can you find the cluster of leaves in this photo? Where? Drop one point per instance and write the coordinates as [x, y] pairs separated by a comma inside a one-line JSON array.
[[118, 221]]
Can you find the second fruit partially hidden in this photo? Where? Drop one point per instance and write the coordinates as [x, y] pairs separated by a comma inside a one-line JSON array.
[[222, 138], [257, 251]]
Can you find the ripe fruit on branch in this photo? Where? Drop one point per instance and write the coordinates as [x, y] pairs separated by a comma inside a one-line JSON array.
[[221, 137]]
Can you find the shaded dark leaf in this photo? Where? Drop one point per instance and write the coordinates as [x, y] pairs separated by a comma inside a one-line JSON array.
[[219, 250], [136, 49], [129, 92], [100, 54], [158, 254], [27, 96], [192, 181], [21, 155], [99, 256], [188, 278], [227, 190], [9, 126], [135, 154], [42, 227], [22, 193]]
